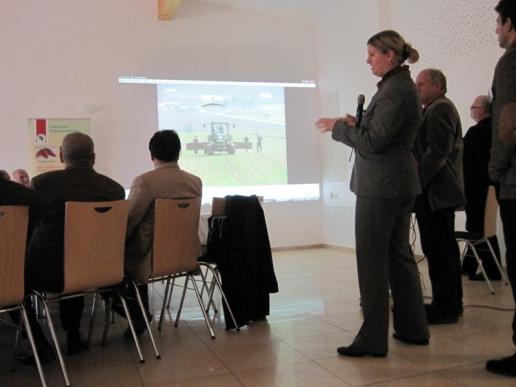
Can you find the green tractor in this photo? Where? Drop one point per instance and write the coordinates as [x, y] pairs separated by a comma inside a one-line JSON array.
[[219, 139]]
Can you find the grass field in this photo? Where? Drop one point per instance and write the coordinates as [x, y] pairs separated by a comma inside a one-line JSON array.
[[246, 167]]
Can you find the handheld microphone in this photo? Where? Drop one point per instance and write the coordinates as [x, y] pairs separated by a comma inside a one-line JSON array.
[[360, 109], [358, 117]]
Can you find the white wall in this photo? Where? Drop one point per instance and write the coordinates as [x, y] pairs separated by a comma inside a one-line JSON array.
[[459, 38], [58, 56], [343, 74], [456, 36]]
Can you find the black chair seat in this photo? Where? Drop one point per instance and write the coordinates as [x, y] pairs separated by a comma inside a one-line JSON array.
[[471, 236]]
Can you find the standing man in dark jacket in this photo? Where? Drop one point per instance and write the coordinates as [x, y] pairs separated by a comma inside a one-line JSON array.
[[502, 166], [477, 147], [77, 182], [438, 150]]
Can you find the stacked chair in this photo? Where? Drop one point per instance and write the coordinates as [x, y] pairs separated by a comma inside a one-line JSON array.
[[471, 240]]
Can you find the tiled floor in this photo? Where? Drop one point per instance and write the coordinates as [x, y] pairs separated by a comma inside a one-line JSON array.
[[316, 310]]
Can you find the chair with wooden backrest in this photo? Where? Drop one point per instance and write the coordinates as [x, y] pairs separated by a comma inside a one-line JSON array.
[[94, 240], [471, 240], [175, 250], [13, 238]]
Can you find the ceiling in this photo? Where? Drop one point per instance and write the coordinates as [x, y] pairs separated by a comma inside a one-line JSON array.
[[301, 11]]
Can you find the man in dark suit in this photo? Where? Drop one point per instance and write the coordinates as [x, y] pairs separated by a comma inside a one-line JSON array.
[[4, 175], [438, 150], [15, 194], [502, 165], [77, 182], [477, 144]]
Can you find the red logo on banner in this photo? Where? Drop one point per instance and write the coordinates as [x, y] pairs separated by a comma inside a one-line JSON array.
[[41, 131]]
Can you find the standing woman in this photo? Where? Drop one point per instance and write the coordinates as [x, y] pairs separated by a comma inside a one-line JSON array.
[[385, 181]]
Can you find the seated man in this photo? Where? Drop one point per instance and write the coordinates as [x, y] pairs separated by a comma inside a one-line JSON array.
[[77, 182], [21, 177], [14, 194], [4, 175], [168, 181]]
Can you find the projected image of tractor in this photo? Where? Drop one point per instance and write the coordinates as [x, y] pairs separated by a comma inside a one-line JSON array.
[[219, 140]]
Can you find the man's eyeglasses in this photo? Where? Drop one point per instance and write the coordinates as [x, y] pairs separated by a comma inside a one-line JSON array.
[[475, 107]]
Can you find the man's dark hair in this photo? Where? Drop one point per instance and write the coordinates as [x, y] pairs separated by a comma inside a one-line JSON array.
[[77, 148], [507, 10], [165, 145]]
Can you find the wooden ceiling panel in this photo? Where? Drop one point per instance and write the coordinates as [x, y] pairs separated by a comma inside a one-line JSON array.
[[167, 9]]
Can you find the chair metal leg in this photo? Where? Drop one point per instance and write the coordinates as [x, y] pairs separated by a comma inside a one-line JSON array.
[[182, 300], [211, 301], [223, 295], [481, 266], [107, 320], [204, 284], [131, 327], [502, 273], [17, 342], [464, 250], [165, 298], [37, 308], [28, 329], [211, 288], [201, 304], [144, 315], [54, 340], [92, 319], [170, 294]]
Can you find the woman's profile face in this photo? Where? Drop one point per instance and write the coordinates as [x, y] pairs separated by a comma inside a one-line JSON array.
[[379, 62]]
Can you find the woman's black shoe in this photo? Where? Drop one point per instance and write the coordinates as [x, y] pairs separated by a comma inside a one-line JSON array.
[[357, 352], [410, 341], [505, 366]]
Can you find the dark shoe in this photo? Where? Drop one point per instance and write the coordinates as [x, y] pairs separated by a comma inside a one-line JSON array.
[[505, 366], [74, 345], [410, 341], [357, 352], [139, 327], [435, 316], [118, 309]]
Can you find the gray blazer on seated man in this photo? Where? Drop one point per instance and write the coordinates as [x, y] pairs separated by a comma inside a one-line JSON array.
[[165, 181]]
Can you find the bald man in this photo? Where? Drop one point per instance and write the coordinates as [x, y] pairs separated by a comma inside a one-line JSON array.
[[21, 176], [477, 145], [438, 151], [77, 182]]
